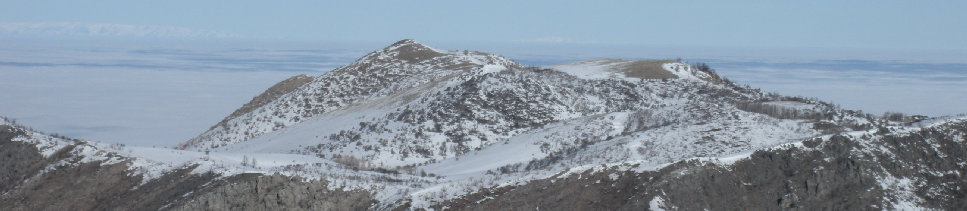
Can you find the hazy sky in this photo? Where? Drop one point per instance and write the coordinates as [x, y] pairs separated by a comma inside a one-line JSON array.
[[936, 25]]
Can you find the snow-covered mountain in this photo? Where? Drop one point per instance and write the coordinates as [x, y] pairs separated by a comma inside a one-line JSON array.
[[415, 127], [412, 105]]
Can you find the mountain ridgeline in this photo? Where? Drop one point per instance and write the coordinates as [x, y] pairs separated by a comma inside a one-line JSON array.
[[410, 127]]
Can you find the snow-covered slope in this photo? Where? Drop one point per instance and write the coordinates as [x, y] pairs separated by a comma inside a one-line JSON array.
[[894, 167]]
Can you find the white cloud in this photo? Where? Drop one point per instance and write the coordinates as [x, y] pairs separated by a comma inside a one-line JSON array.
[[107, 29]]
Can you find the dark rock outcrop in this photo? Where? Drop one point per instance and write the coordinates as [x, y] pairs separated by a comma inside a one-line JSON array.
[[274, 192]]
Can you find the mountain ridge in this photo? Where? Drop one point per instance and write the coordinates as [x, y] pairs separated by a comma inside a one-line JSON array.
[[270, 94], [398, 66], [409, 51], [455, 93]]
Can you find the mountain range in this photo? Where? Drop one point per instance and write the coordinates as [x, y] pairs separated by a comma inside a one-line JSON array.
[[414, 127]]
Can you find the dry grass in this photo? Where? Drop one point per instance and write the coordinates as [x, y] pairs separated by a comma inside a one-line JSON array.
[[646, 69], [416, 53], [272, 93]]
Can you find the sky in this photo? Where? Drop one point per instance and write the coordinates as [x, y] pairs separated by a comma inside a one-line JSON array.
[[936, 25], [157, 73]]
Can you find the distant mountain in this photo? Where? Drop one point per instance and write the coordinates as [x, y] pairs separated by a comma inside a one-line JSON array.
[[413, 127]]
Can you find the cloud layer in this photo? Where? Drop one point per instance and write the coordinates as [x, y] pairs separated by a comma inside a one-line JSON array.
[[107, 29]]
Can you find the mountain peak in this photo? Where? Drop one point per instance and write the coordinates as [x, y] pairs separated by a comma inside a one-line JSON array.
[[411, 51], [405, 42]]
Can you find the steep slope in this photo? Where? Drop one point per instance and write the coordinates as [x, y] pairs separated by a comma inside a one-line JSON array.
[[400, 66], [271, 94]]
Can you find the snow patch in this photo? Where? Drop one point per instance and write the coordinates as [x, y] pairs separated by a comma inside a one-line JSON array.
[[658, 203], [593, 69], [902, 191], [490, 68]]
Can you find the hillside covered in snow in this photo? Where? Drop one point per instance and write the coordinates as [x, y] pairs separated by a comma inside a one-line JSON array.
[[414, 127]]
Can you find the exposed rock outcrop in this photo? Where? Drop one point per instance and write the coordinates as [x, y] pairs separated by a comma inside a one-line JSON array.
[[274, 192]]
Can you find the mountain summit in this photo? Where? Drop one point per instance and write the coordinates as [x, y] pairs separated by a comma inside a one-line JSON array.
[[411, 51], [413, 127], [409, 104], [404, 65]]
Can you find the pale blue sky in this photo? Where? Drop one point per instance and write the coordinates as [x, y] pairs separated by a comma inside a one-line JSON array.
[[897, 25]]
